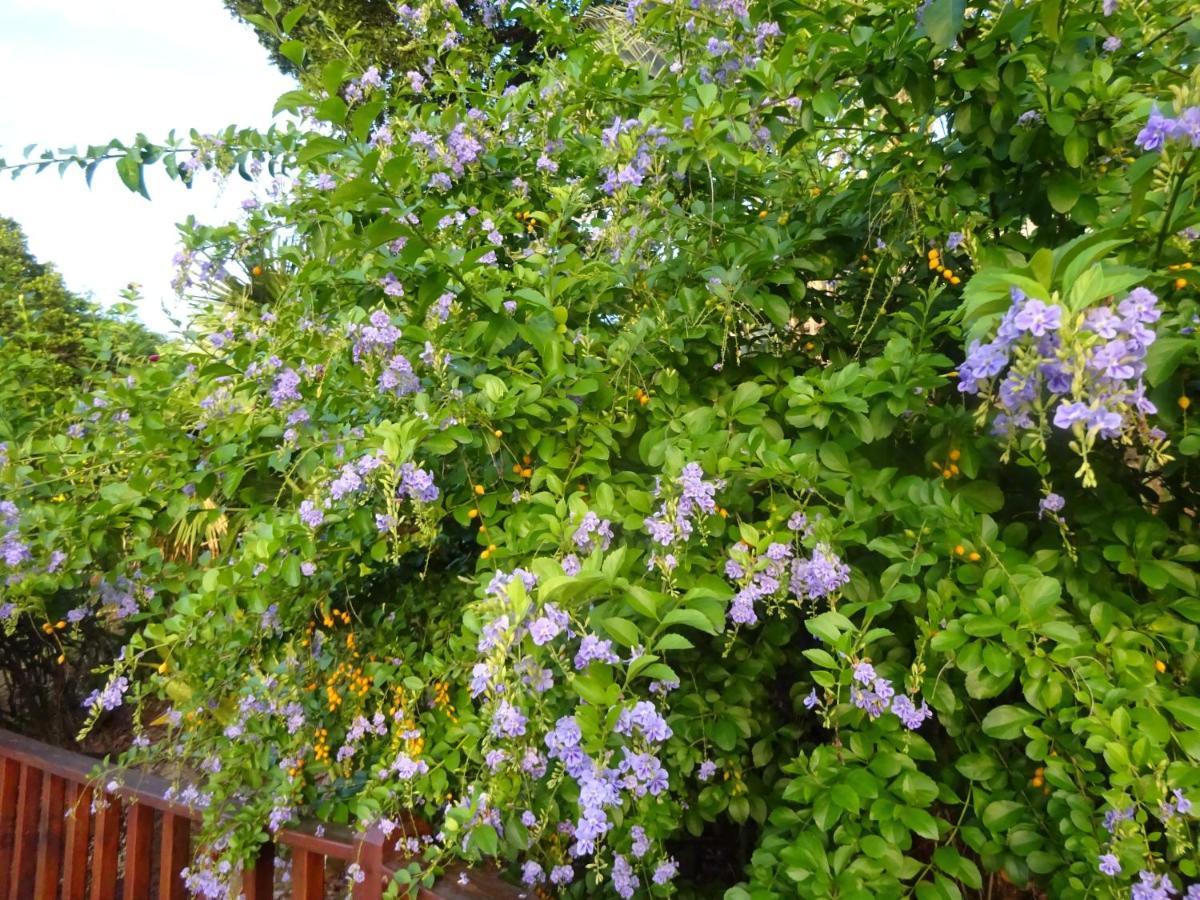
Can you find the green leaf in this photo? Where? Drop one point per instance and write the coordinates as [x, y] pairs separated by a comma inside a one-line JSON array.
[[943, 21], [692, 617], [624, 631], [1062, 190], [1007, 722], [1186, 710]]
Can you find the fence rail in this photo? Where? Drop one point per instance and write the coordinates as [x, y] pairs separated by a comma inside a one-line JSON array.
[[134, 846]]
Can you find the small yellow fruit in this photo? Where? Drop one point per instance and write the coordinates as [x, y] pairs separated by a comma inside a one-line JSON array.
[[723, 513], [1180, 284], [935, 263], [62, 658], [479, 489], [256, 271], [1184, 402], [472, 513], [1037, 781], [527, 473], [959, 550], [498, 433], [516, 468], [933, 254], [485, 554], [1160, 666], [762, 213], [973, 556], [956, 280], [643, 399], [953, 469], [955, 455]]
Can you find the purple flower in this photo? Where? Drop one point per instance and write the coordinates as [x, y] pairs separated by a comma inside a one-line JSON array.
[[954, 241], [1029, 118], [1141, 306], [1037, 318], [625, 883], [1154, 134], [1152, 887], [325, 182], [417, 484], [285, 388], [1051, 503], [1111, 44], [561, 875], [532, 873], [311, 515], [593, 649], [593, 532], [810, 699], [1109, 7], [641, 843], [664, 871], [864, 673], [508, 721], [1109, 865], [708, 768], [908, 713], [308, 568], [528, 819]]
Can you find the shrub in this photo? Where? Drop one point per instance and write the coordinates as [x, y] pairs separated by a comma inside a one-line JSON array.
[[733, 419]]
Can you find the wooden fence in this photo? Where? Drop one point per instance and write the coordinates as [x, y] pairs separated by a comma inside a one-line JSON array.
[[52, 844]]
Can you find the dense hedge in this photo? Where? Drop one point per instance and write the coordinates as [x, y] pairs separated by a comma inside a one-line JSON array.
[[751, 427]]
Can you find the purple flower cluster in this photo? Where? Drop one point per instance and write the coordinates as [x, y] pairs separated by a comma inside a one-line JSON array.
[[110, 697], [398, 378], [593, 649], [643, 719], [1160, 130], [508, 720], [673, 523], [377, 337], [1093, 374], [416, 484], [633, 172], [593, 532], [875, 695], [761, 577]]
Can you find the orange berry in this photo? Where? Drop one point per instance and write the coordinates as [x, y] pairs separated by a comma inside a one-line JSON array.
[[933, 253], [953, 469], [1184, 402], [472, 513], [956, 280], [527, 473], [762, 213], [1160, 666], [479, 489], [516, 468], [643, 399], [959, 550], [935, 263], [973, 556], [1037, 781], [955, 455], [1180, 284], [256, 271]]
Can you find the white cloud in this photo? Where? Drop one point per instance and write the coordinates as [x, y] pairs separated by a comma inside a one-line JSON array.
[[79, 73]]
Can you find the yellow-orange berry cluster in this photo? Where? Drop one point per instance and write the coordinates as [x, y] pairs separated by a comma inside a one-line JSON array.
[[321, 745], [441, 700], [1180, 283], [298, 768], [935, 264], [641, 396], [527, 220], [949, 468], [523, 468]]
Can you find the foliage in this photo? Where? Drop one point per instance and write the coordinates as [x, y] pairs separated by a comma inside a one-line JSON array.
[[50, 339], [574, 454]]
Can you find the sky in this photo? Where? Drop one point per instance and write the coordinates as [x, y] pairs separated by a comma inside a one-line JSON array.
[[79, 72]]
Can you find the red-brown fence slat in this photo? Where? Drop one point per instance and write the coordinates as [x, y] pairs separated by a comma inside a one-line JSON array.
[[29, 802], [79, 825], [10, 779], [370, 860], [50, 833], [174, 854], [139, 840], [258, 879], [308, 875], [105, 848]]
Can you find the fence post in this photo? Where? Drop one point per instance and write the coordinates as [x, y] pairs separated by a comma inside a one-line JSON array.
[[370, 859]]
